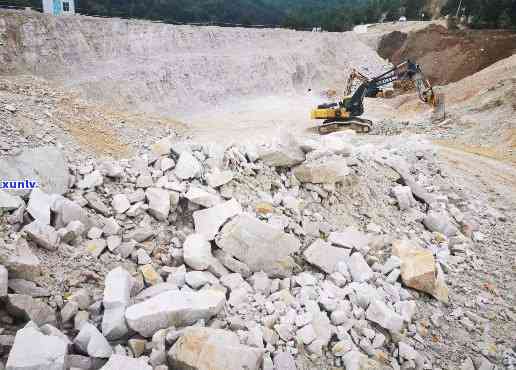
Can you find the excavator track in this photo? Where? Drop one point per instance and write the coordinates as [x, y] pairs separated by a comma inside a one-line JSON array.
[[359, 125]]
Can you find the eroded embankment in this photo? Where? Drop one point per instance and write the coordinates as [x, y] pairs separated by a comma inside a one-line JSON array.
[[169, 69], [447, 55]]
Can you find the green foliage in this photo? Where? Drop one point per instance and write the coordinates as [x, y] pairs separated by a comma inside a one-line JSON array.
[[331, 15]]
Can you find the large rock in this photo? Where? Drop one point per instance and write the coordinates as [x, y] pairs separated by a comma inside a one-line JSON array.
[[419, 269], [46, 165], [39, 206], [356, 360], [404, 197], [163, 146], [213, 349], [67, 211], [358, 268], [159, 203], [217, 178], [197, 252], [120, 203], [284, 152], [384, 316], [173, 308], [187, 167], [9, 202], [21, 286], [33, 350], [328, 172], [117, 291], [23, 264], [440, 222], [3, 281], [26, 308], [325, 256], [43, 235], [284, 361], [202, 197], [91, 342], [350, 237], [91, 180], [259, 245], [209, 221], [119, 362]]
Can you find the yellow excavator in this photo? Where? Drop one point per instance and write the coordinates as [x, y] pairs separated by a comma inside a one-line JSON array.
[[347, 112]]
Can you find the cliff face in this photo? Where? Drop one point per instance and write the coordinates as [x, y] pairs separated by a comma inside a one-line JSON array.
[[161, 67]]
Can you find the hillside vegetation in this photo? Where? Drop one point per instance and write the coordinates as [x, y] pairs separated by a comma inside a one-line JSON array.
[[331, 15]]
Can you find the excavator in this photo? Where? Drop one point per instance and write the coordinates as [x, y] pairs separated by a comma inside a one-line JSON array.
[[347, 112]]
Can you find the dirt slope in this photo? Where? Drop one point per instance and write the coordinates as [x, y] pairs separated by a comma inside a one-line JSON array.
[[448, 56]]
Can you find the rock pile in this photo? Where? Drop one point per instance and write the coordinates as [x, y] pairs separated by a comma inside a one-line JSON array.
[[228, 258]]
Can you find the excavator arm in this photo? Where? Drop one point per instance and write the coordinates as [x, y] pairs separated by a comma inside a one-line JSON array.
[[352, 107]]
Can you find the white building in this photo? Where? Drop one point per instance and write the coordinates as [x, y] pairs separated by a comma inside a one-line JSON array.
[[58, 7]]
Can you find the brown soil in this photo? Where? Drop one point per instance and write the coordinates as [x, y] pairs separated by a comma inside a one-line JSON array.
[[448, 55]]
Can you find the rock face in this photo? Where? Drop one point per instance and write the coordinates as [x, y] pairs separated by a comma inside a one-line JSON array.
[[45, 165], [208, 221], [259, 245], [419, 269], [213, 349], [329, 172], [173, 308], [325, 256], [34, 350]]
